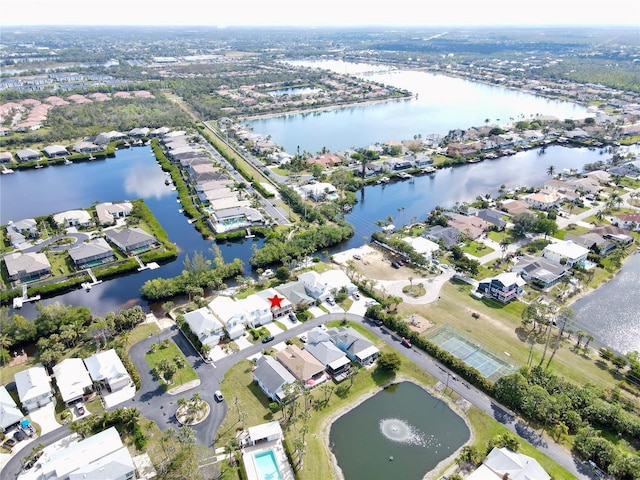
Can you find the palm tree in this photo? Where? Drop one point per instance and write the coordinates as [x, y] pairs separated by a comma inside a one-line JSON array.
[[551, 170], [504, 245], [5, 343]]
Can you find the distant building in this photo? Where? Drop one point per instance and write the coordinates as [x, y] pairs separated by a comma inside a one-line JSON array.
[[27, 155], [55, 151]]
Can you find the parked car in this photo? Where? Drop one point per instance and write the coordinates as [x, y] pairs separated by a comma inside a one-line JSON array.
[[406, 342], [357, 257], [18, 435], [218, 396], [28, 429], [331, 301], [356, 295], [293, 318], [267, 339], [395, 264], [10, 442], [80, 409], [303, 338]]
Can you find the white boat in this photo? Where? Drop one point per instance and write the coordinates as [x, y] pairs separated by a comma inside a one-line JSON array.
[[6, 171], [68, 162]]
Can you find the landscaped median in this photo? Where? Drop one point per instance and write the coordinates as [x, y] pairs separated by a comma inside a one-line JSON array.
[[169, 365]]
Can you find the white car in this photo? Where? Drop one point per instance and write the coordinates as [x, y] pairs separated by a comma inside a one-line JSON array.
[[218, 396]]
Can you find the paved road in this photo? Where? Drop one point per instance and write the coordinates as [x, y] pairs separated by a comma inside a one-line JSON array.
[[160, 407]]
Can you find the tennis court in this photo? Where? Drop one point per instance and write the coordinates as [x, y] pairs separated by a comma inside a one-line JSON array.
[[488, 364]]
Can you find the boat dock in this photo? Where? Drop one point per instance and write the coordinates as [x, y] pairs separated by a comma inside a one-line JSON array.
[[94, 281], [148, 266], [19, 301]]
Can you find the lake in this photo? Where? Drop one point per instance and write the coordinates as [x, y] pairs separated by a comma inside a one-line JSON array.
[[444, 103], [401, 432]]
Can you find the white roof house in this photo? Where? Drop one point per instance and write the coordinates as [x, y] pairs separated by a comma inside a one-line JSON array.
[[565, 252], [73, 218], [502, 463], [205, 326], [26, 266], [109, 212], [265, 432], [422, 245], [107, 367], [322, 285], [233, 318], [319, 191], [72, 379], [9, 412], [34, 388], [101, 456]]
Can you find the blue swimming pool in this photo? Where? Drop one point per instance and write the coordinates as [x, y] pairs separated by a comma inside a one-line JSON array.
[[267, 466]]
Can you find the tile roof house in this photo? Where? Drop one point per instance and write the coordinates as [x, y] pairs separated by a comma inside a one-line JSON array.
[[34, 388], [544, 199], [565, 252], [86, 147], [326, 160], [92, 253], [505, 287], [357, 348], [614, 233], [73, 218], [107, 368], [108, 212], [101, 456], [205, 326], [539, 271], [593, 242], [629, 221], [600, 176], [131, 240], [10, 415], [272, 378], [26, 267], [295, 293], [470, 226], [302, 365], [72, 380]]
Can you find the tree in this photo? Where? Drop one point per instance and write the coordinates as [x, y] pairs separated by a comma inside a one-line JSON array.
[[551, 170], [389, 362], [504, 245]]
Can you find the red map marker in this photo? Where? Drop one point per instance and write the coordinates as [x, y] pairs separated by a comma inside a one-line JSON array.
[[275, 301]]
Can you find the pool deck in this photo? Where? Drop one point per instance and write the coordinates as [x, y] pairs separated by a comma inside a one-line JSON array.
[[248, 455]]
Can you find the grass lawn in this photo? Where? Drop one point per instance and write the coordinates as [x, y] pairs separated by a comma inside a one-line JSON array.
[[183, 374], [141, 332], [571, 228], [245, 397], [280, 171], [476, 249], [499, 331]]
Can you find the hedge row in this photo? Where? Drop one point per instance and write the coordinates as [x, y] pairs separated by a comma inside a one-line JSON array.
[[130, 367]]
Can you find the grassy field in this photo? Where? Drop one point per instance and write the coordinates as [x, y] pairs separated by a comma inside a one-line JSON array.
[[476, 249], [171, 352], [246, 400]]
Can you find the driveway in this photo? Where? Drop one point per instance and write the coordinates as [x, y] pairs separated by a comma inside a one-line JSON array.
[[431, 285], [46, 418]]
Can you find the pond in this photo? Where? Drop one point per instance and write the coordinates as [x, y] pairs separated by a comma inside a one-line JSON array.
[[401, 432]]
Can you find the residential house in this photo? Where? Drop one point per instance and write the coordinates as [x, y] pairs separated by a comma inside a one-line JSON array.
[[73, 218], [323, 285], [397, 164], [205, 326], [234, 316], [27, 155], [419, 160], [94, 252], [471, 227], [272, 378], [502, 463], [505, 287], [539, 272], [279, 306], [319, 345], [73, 380], [55, 151], [6, 157], [565, 252], [461, 150], [630, 221], [86, 147], [235, 218], [21, 231], [107, 370], [27, 267], [319, 191], [296, 294], [205, 173], [108, 213], [357, 348], [101, 456], [492, 216], [629, 169], [302, 365], [514, 207], [600, 176], [615, 234], [139, 132], [131, 240], [266, 432], [587, 185], [10, 415], [34, 388], [449, 236], [423, 246], [159, 132], [544, 199], [594, 242], [326, 160]]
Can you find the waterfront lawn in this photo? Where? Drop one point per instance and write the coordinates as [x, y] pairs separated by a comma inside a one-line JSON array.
[[139, 333], [170, 352], [476, 249], [61, 263], [498, 329]]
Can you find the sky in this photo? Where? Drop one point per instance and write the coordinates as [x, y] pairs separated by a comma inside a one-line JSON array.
[[326, 12]]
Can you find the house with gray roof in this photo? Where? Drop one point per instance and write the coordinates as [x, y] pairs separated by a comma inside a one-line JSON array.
[[108, 212], [131, 240], [450, 236], [272, 377], [86, 147], [295, 293], [34, 388], [10, 415], [27, 267], [139, 132], [55, 151], [539, 272], [319, 345], [594, 242], [21, 231], [234, 218], [492, 216], [505, 287], [27, 155], [92, 253], [204, 325], [357, 348]]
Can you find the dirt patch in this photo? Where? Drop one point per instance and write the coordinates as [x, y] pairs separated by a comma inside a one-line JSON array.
[[418, 323], [377, 265]]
